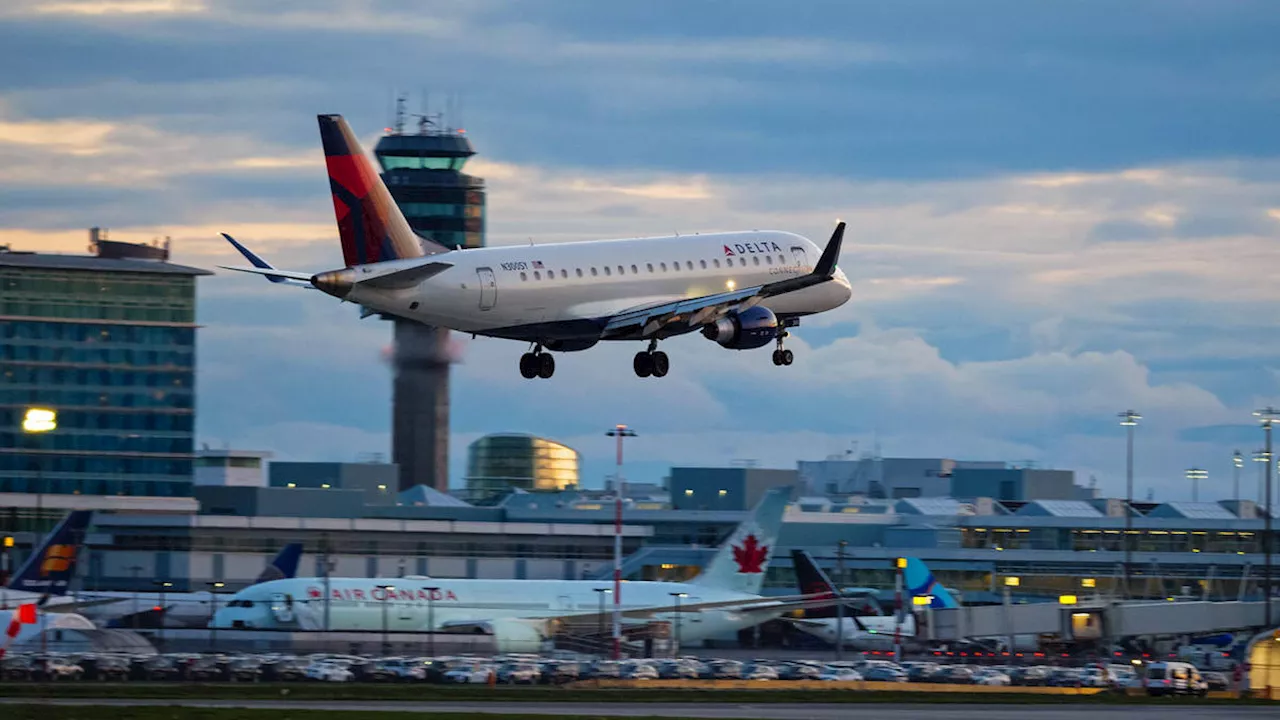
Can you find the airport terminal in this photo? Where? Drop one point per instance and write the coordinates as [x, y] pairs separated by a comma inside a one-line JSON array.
[[105, 343]]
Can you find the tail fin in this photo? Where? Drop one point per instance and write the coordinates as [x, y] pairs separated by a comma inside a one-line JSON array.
[[283, 566], [52, 565], [920, 582], [370, 223], [741, 561], [811, 579]]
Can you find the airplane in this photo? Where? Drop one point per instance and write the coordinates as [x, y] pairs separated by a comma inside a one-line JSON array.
[[47, 572], [522, 615], [742, 290], [862, 631]]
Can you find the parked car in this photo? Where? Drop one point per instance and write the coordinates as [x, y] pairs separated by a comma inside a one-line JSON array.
[[884, 673], [1174, 678], [991, 677], [759, 671], [952, 674], [518, 674], [839, 674], [1217, 680], [245, 669], [639, 671], [206, 668], [330, 671], [469, 674], [801, 671]]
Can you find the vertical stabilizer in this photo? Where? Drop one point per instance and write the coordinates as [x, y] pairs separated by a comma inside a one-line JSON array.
[[919, 582], [370, 223], [283, 566], [52, 565], [742, 560]]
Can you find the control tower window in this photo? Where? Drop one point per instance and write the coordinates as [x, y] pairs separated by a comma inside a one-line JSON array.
[[395, 162]]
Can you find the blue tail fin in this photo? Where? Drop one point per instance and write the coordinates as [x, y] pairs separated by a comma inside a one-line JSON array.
[[742, 560], [919, 582], [284, 566], [52, 565]]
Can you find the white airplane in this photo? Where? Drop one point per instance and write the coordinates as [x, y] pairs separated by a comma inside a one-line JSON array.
[[740, 289], [522, 615]]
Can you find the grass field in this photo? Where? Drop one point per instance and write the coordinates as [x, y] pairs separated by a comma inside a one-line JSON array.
[[53, 712]]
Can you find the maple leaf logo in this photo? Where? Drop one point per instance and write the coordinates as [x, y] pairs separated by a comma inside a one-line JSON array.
[[750, 556], [314, 592]]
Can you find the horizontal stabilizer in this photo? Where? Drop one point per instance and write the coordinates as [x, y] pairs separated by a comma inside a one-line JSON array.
[[272, 272]]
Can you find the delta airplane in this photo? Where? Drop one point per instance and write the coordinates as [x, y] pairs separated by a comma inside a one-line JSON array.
[[522, 615], [863, 631], [742, 290]]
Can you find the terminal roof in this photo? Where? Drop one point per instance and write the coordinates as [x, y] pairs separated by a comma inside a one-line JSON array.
[[40, 261]]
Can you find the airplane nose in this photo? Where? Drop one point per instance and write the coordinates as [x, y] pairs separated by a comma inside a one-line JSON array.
[[337, 283]]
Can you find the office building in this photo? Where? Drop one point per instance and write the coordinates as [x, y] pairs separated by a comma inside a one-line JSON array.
[[499, 464]]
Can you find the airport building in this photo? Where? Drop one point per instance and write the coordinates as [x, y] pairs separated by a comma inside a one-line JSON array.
[[109, 342], [499, 464]]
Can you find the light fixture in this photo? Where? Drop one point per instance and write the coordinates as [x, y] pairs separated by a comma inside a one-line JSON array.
[[38, 420]]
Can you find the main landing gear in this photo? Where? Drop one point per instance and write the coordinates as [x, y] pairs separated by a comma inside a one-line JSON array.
[[537, 364], [782, 356], [651, 362]]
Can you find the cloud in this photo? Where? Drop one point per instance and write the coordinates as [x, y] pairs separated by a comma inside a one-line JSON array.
[[97, 8]]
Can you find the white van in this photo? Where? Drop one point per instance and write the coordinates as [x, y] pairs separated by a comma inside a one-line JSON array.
[[1174, 678]]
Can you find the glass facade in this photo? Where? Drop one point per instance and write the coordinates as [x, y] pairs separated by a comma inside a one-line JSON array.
[[498, 464], [424, 174], [113, 353]]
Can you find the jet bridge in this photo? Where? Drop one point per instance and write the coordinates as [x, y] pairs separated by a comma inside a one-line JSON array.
[[1095, 620]]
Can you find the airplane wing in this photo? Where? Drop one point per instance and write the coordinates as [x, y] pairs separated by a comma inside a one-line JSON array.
[[683, 315], [262, 267], [772, 605]]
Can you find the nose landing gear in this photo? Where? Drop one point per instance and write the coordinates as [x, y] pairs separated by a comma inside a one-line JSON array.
[[537, 364], [651, 362]]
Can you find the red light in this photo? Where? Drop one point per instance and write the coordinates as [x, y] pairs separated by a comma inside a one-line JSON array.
[[1064, 654], [461, 131], [157, 608], [1005, 654], [1018, 655], [937, 652], [1116, 653]]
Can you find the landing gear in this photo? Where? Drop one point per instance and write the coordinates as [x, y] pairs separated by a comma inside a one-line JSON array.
[[782, 356], [651, 362], [537, 364]]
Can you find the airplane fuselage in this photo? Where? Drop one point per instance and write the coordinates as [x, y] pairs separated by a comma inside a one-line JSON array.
[[563, 291], [866, 632]]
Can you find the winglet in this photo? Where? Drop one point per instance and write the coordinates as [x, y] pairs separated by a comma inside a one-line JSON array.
[[826, 266], [253, 259]]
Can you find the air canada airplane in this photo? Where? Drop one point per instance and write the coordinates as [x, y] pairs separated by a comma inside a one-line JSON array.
[[521, 615], [740, 289]]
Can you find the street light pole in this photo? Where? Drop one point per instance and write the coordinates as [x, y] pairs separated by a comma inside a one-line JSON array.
[[840, 599], [1129, 420], [601, 592], [214, 587], [1237, 462], [386, 591], [1195, 475], [1267, 416], [431, 620], [619, 432], [1260, 457], [163, 585], [675, 645], [36, 421]]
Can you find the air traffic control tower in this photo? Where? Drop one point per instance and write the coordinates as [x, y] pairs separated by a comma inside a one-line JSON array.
[[423, 171]]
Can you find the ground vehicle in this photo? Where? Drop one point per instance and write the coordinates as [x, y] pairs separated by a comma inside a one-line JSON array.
[[330, 671], [469, 674], [838, 674], [518, 673], [245, 669], [954, 674], [639, 671], [57, 668], [206, 668], [991, 677], [884, 673], [759, 671], [1174, 678], [1217, 680]]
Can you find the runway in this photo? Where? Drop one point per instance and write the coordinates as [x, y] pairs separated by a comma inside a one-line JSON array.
[[764, 711]]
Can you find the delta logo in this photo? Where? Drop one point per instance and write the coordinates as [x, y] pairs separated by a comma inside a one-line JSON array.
[[57, 559], [750, 555], [751, 248], [377, 593]]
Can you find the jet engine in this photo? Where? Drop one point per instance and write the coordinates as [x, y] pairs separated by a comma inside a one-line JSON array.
[[752, 328], [510, 635]]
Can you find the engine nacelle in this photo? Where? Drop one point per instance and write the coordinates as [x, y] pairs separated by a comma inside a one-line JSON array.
[[509, 634], [752, 328]]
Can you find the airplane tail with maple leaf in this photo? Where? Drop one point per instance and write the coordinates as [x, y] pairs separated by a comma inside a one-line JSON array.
[[740, 562]]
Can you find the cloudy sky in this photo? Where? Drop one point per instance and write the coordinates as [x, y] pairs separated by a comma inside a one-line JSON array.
[[1057, 211]]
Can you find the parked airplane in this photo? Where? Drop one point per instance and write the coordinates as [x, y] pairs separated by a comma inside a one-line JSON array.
[[522, 615], [859, 630], [47, 572], [740, 289]]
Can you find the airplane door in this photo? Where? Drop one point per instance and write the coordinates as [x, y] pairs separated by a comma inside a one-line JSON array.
[[488, 288], [282, 607], [798, 254]]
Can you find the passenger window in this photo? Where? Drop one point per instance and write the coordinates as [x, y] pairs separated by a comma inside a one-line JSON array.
[[782, 260], [716, 263], [564, 274], [768, 259], [621, 271], [593, 272], [579, 271], [755, 259], [688, 264], [537, 275], [606, 270], [742, 261], [676, 266], [664, 266], [551, 274], [703, 263], [650, 266], [634, 270], [523, 277]]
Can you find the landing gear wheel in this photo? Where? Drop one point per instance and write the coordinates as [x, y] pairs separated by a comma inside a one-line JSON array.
[[546, 365], [643, 364], [788, 357], [661, 364], [529, 366], [777, 357]]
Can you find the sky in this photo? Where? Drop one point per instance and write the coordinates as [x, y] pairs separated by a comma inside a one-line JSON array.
[[1057, 211]]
